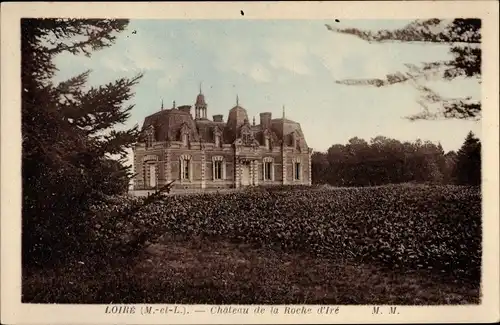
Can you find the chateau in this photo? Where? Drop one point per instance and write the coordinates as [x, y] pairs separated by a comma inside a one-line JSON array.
[[203, 154]]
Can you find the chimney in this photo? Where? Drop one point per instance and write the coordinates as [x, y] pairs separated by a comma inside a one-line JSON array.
[[218, 118], [265, 120], [185, 109]]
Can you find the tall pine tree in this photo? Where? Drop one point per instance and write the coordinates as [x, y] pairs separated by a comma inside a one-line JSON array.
[[68, 135], [468, 165]]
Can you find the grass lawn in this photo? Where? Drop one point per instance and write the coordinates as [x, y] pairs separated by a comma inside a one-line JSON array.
[[204, 272]]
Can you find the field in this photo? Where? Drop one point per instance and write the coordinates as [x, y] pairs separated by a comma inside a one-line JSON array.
[[405, 244]]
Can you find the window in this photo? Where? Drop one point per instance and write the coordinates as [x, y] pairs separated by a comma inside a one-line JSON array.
[[267, 170], [219, 168], [150, 137], [150, 171], [246, 135], [149, 140], [297, 171], [217, 137], [185, 167], [217, 141], [152, 175], [185, 131], [246, 138], [268, 143]]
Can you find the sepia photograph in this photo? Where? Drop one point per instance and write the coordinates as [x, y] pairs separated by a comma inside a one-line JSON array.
[[241, 162]]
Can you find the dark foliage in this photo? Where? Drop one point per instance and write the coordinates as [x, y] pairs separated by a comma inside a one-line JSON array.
[[68, 136], [405, 228], [382, 161], [468, 162]]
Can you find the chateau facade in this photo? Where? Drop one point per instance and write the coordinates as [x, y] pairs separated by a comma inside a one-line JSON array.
[[202, 154]]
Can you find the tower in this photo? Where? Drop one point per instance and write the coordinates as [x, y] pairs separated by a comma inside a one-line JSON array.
[[200, 107]]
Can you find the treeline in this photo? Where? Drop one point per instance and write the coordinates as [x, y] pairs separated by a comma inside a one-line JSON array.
[[389, 161]]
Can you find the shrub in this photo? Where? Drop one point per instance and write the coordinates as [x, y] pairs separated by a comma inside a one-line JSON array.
[[425, 227]]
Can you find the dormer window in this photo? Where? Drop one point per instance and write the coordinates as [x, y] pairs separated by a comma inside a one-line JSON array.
[[149, 136], [185, 135], [268, 143], [267, 139], [246, 135], [217, 133]]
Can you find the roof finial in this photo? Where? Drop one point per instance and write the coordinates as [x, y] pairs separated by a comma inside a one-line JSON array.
[[162, 104], [254, 120], [200, 87], [174, 103], [283, 112], [237, 101]]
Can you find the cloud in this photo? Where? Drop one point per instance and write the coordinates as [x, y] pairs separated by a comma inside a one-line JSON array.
[[259, 73], [259, 62], [70, 65], [231, 56], [240, 57], [288, 55], [345, 56], [173, 72], [114, 64], [132, 59], [146, 56]]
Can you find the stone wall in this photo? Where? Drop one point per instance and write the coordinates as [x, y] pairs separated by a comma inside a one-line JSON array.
[[167, 160]]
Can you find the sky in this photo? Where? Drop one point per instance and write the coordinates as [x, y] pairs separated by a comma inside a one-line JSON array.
[[271, 64]]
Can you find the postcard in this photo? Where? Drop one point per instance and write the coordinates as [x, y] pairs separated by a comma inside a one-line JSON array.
[[250, 162]]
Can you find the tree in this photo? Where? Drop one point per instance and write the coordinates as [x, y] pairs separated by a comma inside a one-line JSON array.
[[468, 162], [382, 161], [464, 38], [69, 135], [450, 160], [319, 165]]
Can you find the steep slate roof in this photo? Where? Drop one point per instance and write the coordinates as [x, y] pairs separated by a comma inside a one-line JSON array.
[[200, 100], [206, 129], [236, 119], [168, 123]]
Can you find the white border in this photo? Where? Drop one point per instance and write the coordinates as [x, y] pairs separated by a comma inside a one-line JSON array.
[[13, 312]]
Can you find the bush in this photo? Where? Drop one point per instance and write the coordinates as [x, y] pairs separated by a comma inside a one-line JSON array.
[[424, 227]]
